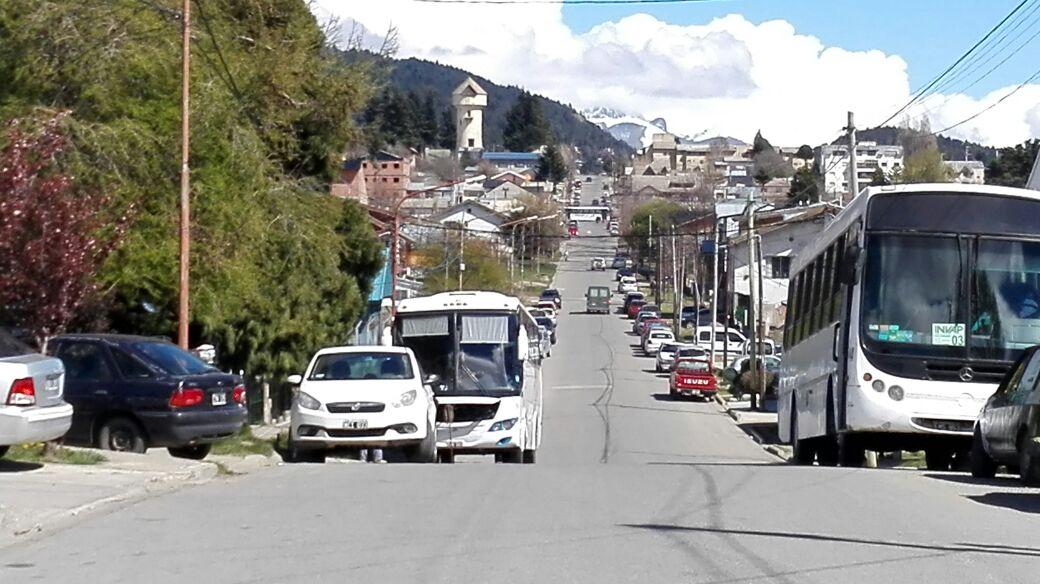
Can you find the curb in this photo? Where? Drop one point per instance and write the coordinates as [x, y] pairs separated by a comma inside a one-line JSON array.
[[158, 485], [777, 451]]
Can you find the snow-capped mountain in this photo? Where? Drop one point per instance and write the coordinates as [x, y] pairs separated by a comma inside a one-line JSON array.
[[634, 130]]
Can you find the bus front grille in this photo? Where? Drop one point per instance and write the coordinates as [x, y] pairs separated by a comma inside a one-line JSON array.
[[466, 412], [957, 371]]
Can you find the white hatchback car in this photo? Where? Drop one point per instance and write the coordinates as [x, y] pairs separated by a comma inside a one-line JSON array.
[[627, 284], [32, 408], [363, 397]]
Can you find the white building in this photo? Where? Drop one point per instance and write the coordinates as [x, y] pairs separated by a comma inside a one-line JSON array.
[[972, 172], [469, 100], [833, 162]]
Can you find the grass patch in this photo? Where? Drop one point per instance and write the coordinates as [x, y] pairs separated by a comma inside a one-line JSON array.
[[60, 455], [912, 460], [243, 444]]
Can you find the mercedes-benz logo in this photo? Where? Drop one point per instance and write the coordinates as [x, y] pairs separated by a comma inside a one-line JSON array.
[[355, 407], [966, 374]]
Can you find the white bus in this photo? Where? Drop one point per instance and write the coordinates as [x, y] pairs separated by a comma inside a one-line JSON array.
[[903, 316], [483, 346]]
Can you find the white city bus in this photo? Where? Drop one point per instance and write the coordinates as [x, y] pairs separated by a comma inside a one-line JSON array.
[[903, 316], [483, 348]]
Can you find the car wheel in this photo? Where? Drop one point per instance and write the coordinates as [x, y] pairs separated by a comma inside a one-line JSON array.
[[512, 456], [446, 456], [1028, 462], [529, 456], [196, 452], [982, 464], [122, 435], [938, 458], [3, 450], [425, 451]]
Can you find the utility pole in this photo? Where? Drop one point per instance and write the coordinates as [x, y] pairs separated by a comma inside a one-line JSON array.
[[714, 295], [761, 335], [853, 169], [184, 304], [462, 250], [676, 306], [752, 333]]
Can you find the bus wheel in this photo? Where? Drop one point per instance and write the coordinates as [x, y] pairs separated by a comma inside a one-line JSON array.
[[850, 453], [802, 450], [1028, 462], [938, 458], [827, 453]]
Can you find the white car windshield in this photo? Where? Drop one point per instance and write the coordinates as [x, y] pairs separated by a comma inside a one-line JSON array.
[[357, 366]]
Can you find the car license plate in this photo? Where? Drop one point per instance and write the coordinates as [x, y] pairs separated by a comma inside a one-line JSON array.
[[355, 424], [219, 399], [52, 384], [454, 443]]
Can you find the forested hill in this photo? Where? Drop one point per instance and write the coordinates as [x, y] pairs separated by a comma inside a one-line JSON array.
[[567, 124]]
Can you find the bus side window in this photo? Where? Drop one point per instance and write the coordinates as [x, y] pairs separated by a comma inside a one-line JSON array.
[[804, 303], [792, 310]]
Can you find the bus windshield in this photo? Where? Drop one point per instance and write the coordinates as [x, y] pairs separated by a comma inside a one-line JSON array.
[[473, 354], [914, 296]]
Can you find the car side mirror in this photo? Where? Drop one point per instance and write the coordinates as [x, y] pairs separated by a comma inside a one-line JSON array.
[[294, 379], [848, 272], [432, 379]]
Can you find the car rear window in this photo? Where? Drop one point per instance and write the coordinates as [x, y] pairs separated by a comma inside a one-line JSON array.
[[12, 347], [660, 336], [355, 366], [692, 366], [172, 359]]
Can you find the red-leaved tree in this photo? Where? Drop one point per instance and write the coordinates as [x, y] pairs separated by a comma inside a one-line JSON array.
[[53, 235]]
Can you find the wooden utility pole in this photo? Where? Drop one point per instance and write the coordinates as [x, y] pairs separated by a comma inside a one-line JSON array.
[[751, 321], [184, 304], [853, 167]]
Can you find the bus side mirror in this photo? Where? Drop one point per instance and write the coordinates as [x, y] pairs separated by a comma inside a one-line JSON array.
[[523, 345], [849, 268]]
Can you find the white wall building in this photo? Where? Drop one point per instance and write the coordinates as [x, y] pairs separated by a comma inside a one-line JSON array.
[[972, 172], [469, 100], [833, 162]]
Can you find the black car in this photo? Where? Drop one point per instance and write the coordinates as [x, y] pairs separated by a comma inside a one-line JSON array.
[[691, 314], [1006, 431], [554, 295], [549, 326], [132, 393], [623, 272]]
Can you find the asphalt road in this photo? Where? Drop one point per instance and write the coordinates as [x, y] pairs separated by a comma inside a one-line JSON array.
[[629, 487]]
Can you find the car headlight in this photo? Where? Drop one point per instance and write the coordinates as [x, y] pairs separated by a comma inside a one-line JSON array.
[[502, 425], [306, 401], [407, 399]]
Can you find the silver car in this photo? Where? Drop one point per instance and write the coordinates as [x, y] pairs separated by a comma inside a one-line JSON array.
[[31, 388]]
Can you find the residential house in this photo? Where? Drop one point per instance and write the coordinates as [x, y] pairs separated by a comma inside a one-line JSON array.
[[833, 162], [387, 177], [351, 183], [972, 172]]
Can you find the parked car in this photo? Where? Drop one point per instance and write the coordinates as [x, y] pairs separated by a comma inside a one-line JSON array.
[[133, 393], [548, 323], [624, 272], [615, 231], [554, 295], [692, 377], [728, 339], [765, 347], [630, 297], [544, 341], [548, 307], [642, 322], [32, 405], [627, 284], [1006, 430], [598, 264], [650, 309], [363, 397], [691, 315], [634, 306], [653, 340], [688, 352], [597, 299], [617, 263], [652, 325]]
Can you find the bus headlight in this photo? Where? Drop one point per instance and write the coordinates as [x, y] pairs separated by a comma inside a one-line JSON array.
[[895, 392], [306, 401], [502, 425], [878, 385]]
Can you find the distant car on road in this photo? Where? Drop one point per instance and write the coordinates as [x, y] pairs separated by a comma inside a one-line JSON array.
[[597, 299], [616, 264], [549, 325], [655, 338], [548, 307], [634, 306], [643, 320], [544, 341], [32, 408], [692, 377], [688, 352], [1006, 431], [363, 397], [133, 393], [629, 297], [598, 264], [650, 309], [627, 284], [624, 273], [554, 295]]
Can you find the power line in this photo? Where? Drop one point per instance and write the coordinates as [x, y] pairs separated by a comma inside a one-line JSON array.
[[1029, 80], [921, 92]]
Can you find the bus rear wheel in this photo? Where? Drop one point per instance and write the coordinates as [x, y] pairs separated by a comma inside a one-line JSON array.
[[938, 458], [850, 453], [802, 450]]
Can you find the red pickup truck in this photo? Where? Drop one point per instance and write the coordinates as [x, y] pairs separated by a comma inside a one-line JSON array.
[[692, 377]]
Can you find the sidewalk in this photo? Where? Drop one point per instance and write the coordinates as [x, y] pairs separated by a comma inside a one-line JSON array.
[[43, 498], [760, 425]]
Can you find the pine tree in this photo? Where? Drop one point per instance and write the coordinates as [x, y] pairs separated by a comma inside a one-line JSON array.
[[428, 128], [526, 127], [446, 133], [805, 188], [551, 166]]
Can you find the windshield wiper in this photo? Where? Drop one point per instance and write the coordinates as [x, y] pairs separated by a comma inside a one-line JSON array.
[[473, 376]]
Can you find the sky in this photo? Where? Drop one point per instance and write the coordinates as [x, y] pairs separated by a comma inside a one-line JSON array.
[[790, 68]]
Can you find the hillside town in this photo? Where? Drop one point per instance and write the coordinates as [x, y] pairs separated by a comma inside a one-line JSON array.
[[650, 292]]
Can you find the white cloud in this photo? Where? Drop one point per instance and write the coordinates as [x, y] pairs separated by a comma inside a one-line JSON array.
[[728, 76]]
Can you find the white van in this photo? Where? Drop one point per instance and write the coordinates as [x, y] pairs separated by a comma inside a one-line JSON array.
[[726, 339]]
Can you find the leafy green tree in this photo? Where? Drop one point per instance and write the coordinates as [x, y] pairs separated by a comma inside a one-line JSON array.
[[923, 166], [485, 270], [805, 152], [551, 166], [1013, 165], [526, 127], [805, 187], [640, 237], [879, 178]]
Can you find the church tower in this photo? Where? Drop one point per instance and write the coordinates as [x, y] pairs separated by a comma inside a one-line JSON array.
[[469, 100]]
